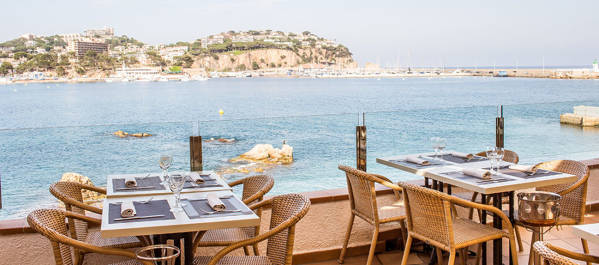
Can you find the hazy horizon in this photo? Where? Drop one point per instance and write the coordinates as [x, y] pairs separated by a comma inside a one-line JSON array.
[[416, 33]]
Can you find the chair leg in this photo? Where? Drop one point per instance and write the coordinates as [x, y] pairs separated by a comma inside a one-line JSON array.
[[518, 238], [471, 212], [464, 256], [347, 234], [256, 252], [439, 256], [375, 237], [585, 247], [513, 250], [451, 257], [535, 238], [479, 252], [403, 233], [406, 251], [246, 250]]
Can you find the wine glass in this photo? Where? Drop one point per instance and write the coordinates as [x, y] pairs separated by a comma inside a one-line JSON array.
[[498, 156], [435, 144], [165, 162], [176, 183], [491, 155], [442, 144]]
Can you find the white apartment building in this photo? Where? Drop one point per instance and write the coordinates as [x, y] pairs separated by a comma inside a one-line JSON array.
[[170, 52], [211, 40]]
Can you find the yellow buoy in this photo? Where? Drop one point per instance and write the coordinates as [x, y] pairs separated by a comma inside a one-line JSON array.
[[221, 112]]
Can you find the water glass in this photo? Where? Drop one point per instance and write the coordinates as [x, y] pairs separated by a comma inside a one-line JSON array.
[[491, 155], [165, 162], [435, 144], [176, 183], [442, 144], [498, 156]]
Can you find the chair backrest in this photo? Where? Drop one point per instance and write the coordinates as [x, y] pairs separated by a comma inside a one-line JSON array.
[[50, 223], [362, 194], [287, 210], [574, 194], [508, 156], [550, 256], [255, 187], [429, 214], [70, 193]]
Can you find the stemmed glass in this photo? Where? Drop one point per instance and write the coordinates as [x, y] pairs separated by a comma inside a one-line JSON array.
[[492, 156], [435, 141], [442, 144], [165, 162], [176, 183]]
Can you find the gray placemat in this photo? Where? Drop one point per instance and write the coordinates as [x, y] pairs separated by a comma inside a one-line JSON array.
[[433, 163], [154, 207], [461, 160], [539, 173], [119, 183], [201, 209], [476, 180], [209, 182]]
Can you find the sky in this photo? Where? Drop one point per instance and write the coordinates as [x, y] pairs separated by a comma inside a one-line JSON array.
[[453, 33]]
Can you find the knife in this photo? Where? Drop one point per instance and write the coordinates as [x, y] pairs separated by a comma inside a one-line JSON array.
[[138, 217]]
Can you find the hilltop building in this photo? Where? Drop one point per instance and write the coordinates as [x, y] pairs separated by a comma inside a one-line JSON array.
[[105, 33], [81, 47], [595, 66]]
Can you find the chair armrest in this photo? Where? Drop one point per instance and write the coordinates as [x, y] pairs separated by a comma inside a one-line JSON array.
[[574, 255], [236, 182], [82, 217], [388, 183], [484, 207], [101, 190]]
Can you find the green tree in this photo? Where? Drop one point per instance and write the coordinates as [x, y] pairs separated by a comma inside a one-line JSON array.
[[272, 65], [306, 33], [60, 71], [255, 66], [241, 67], [80, 70], [5, 68], [64, 60]]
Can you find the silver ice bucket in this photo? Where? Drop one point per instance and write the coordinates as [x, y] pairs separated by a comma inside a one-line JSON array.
[[539, 208]]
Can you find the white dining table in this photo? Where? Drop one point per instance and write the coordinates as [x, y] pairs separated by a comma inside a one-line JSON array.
[[504, 182], [172, 224], [590, 232], [111, 191]]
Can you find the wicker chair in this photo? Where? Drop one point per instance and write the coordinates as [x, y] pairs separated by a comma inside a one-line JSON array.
[[552, 255], [51, 224], [431, 219], [287, 210], [362, 199], [573, 203], [70, 193], [254, 189]]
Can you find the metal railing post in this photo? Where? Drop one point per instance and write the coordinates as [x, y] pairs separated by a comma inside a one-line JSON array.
[[195, 153], [499, 132], [361, 144]]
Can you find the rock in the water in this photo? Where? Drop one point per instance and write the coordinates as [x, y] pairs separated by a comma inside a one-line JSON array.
[[89, 197], [265, 153], [123, 134]]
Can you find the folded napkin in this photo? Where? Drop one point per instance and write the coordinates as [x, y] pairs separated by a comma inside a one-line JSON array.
[[416, 160], [196, 178], [130, 182], [462, 155], [475, 172], [127, 209], [215, 203], [523, 168]]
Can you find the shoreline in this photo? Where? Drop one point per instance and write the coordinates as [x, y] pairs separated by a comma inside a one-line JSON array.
[[579, 74]]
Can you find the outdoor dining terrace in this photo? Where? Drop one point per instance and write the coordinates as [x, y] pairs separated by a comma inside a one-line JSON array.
[[455, 208]]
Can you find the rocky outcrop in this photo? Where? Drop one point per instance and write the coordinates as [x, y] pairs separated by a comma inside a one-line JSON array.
[[89, 197], [123, 134], [270, 58], [266, 153]]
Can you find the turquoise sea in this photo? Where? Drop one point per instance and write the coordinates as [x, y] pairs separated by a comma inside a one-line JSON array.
[[49, 129]]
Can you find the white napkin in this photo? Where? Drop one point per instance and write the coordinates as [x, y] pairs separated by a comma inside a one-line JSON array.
[[196, 178], [523, 168], [416, 160], [462, 155], [127, 209], [215, 203], [475, 172], [130, 182]]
